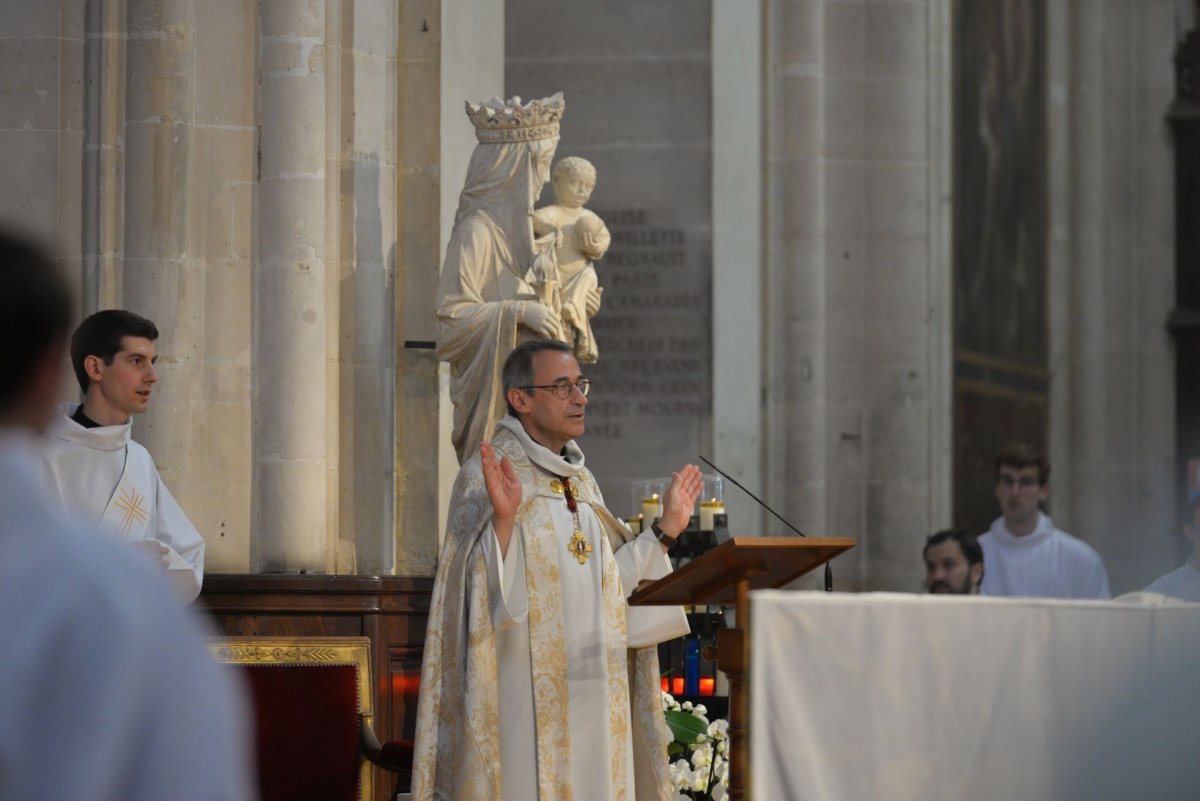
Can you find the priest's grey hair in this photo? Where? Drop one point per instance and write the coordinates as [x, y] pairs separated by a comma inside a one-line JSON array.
[[518, 367]]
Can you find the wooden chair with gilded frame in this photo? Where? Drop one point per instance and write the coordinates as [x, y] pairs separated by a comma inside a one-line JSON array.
[[313, 716]]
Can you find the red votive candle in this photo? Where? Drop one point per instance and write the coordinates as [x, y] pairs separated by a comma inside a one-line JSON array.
[[666, 685], [677, 685], [707, 685]]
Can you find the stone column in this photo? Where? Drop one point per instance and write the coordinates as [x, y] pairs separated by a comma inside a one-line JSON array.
[[159, 276], [1111, 282], [103, 198], [793, 302], [427, 65], [363, 169], [224, 138], [290, 384], [738, 268], [41, 122], [854, 341]]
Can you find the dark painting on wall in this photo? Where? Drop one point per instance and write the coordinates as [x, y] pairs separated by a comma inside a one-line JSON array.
[[1000, 295]]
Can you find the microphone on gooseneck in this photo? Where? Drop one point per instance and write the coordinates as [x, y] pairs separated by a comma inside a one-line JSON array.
[[762, 503]]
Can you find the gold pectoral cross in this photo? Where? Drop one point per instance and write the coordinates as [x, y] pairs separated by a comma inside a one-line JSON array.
[[579, 547]]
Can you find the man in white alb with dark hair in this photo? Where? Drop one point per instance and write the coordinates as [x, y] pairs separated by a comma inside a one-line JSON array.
[[93, 467], [1024, 553]]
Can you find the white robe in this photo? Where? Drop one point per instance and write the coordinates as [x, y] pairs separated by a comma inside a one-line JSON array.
[[1047, 563], [530, 687], [107, 690], [582, 611], [1182, 582], [104, 476]]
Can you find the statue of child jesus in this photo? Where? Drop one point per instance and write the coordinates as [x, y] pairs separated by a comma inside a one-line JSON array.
[[583, 238]]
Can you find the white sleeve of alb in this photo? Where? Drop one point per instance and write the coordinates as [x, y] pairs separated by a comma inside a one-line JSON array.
[[641, 559], [506, 579]]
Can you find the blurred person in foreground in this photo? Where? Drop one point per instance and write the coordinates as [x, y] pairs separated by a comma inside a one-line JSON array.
[[953, 563], [107, 691]]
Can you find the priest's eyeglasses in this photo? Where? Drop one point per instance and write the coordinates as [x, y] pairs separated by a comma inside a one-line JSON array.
[[562, 389]]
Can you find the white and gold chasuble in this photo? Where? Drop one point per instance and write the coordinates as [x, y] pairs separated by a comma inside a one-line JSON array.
[[104, 476], [527, 679]]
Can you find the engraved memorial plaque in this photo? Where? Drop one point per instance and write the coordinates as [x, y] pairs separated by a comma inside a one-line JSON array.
[[637, 82]]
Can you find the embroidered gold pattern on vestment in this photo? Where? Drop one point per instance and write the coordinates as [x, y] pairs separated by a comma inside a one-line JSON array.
[[131, 502]]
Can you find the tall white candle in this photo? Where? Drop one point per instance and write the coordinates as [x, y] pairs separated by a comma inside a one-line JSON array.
[[651, 508], [707, 511]]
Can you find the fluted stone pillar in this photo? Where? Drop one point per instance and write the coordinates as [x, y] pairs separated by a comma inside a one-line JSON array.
[[290, 377], [856, 325], [160, 276], [168, 213], [364, 164], [103, 197], [1111, 281]]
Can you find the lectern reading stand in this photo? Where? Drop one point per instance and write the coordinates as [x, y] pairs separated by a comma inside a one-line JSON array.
[[725, 575]]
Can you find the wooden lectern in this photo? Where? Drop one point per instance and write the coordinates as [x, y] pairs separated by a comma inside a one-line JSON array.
[[725, 575]]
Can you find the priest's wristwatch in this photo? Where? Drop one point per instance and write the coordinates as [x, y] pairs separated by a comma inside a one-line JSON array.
[[667, 540]]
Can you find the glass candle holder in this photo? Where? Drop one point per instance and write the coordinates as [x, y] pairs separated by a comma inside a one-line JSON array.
[[712, 502], [649, 493]]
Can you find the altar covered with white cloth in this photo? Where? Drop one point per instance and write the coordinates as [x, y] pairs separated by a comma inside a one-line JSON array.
[[893, 697]]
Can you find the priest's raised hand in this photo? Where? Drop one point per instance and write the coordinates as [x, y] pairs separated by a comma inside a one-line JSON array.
[[680, 499], [504, 491]]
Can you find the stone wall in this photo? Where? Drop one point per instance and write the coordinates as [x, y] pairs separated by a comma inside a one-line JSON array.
[[271, 181], [232, 170], [1112, 281], [854, 369]]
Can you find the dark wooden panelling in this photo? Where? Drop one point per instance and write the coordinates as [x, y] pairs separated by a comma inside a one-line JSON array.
[[391, 610]]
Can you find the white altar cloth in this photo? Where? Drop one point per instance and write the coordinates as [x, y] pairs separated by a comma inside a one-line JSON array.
[[889, 697]]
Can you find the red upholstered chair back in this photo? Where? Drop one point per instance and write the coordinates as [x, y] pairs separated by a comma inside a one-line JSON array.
[[308, 693]]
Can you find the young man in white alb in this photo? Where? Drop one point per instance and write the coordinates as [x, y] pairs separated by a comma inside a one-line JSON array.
[[1025, 555], [92, 466]]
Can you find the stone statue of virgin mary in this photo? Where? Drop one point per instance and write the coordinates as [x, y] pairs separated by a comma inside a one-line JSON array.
[[487, 299]]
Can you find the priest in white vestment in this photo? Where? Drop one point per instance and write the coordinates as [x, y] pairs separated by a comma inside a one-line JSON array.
[[539, 681], [1023, 553], [486, 302], [92, 467]]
